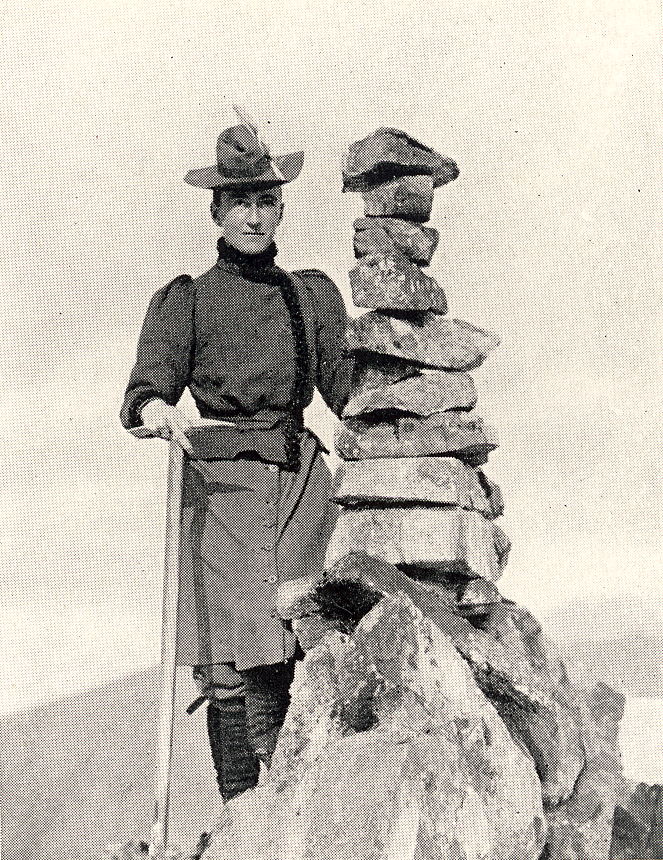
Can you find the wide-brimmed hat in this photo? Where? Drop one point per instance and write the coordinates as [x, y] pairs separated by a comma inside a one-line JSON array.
[[243, 159]]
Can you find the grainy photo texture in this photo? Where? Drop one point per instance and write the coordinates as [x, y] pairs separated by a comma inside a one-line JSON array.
[[331, 431]]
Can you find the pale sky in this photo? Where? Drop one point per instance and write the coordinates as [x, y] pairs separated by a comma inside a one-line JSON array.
[[550, 237]]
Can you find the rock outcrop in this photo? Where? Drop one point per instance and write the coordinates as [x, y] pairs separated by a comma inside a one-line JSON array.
[[637, 832], [389, 752], [566, 722]]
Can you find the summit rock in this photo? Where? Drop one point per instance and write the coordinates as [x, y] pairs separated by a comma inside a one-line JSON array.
[[389, 153], [389, 750]]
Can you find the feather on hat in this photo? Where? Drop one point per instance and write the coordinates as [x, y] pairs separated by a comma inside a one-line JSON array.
[[243, 159]]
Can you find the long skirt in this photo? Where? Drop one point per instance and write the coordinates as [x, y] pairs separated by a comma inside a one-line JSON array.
[[248, 526]]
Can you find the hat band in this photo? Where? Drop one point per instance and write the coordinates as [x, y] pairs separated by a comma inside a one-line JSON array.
[[244, 169]]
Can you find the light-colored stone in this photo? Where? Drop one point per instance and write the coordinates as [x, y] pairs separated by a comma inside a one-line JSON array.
[[432, 480], [566, 720], [461, 434], [416, 242], [389, 152], [450, 539], [388, 752], [426, 338], [389, 280], [293, 600], [581, 825], [406, 197], [357, 582], [422, 395]]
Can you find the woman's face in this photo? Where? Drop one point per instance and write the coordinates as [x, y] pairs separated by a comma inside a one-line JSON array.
[[248, 217]]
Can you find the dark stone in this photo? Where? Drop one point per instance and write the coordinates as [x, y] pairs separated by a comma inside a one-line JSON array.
[[426, 338], [372, 370], [637, 830], [381, 234], [389, 280], [494, 494], [389, 153]]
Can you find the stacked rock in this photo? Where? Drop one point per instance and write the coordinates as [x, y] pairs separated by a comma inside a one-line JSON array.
[[411, 488]]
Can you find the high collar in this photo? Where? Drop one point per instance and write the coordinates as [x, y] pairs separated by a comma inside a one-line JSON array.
[[250, 266]]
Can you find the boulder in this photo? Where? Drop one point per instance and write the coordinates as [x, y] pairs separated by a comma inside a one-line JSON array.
[[416, 242], [637, 830], [389, 280], [574, 743], [408, 197], [358, 581], [388, 153], [389, 751], [422, 395], [426, 480], [512, 662], [448, 539], [461, 434], [425, 338]]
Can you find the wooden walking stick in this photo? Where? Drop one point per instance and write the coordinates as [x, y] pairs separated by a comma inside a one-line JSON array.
[[159, 836]]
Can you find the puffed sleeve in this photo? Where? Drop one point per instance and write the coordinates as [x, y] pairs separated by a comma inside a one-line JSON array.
[[335, 363], [165, 348]]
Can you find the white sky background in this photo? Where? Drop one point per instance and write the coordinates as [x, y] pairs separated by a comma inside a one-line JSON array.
[[551, 237]]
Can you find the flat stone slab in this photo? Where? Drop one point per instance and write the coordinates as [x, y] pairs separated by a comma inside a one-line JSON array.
[[446, 539], [421, 395], [373, 371], [382, 234], [432, 480], [426, 338], [460, 434], [390, 152], [408, 197], [390, 280]]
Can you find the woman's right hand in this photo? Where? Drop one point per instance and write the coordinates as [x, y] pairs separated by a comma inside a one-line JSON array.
[[167, 422]]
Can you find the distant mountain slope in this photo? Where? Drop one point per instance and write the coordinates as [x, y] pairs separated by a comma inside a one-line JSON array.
[[78, 773], [619, 638], [634, 663]]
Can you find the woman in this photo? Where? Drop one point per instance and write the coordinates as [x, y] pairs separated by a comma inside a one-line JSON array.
[[250, 341]]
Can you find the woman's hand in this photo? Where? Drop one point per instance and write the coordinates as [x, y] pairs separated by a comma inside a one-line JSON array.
[[167, 422]]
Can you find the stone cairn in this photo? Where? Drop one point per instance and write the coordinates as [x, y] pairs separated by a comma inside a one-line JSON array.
[[430, 719], [411, 488]]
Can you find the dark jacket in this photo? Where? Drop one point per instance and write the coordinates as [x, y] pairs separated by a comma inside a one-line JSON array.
[[230, 341], [246, 526]]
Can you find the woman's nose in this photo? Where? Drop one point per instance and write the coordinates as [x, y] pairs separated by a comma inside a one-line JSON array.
[[254, 215]]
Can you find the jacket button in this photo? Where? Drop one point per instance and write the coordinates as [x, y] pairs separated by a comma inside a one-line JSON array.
[[272, 578]]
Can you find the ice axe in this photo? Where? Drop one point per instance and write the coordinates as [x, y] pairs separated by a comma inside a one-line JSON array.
[[166, 702], [164, 749]]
